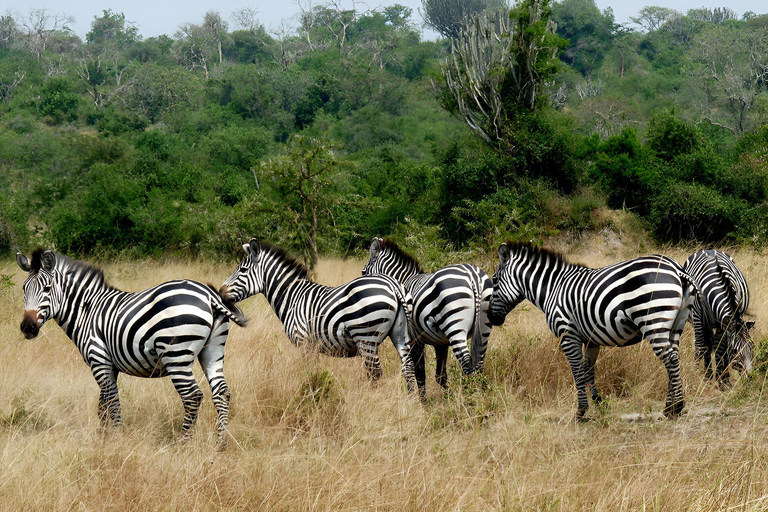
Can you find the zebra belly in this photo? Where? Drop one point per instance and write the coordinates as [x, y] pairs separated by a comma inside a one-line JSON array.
[[344, 347], [179, 346]]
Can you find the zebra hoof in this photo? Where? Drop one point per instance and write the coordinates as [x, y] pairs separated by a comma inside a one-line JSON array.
[[672, 412], [580, 415]]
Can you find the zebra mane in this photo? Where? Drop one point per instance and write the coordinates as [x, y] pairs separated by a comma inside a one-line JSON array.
[[283, 256], [65, 262], [534, 250], [37, 259], [400, 254]]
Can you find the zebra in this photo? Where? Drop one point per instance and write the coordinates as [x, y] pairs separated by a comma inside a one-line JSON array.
[[157, 332], [341, 321], [722, 301], [449, 305], [586, 308]]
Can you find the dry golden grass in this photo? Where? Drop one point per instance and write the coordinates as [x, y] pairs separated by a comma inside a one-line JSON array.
[[309, 432]]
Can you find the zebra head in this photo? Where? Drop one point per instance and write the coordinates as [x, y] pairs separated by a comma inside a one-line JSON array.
[[389, 259], [248, 278], [372, 267], [41, 293], [740, 345], [507, 288]]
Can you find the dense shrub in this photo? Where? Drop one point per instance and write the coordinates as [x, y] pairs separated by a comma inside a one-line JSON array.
[[690, 211]]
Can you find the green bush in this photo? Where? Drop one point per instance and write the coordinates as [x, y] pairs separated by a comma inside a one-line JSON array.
[[627, 173], [670, 137], [58, 100], [690, 211]]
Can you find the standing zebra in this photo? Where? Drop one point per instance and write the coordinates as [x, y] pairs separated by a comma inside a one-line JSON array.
[[449, 305], [619, 305], [342, 321], [722, 300], [154, 333]]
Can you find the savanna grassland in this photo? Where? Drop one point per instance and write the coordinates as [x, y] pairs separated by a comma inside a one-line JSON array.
[[309, 432]]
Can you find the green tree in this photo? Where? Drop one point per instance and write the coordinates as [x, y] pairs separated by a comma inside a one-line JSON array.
[[730, 69], [111, 30], [498, 67], [589, 33], [303, 185], [449, 17]]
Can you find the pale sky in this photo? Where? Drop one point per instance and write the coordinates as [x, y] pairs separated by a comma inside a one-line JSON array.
[[155, 17]]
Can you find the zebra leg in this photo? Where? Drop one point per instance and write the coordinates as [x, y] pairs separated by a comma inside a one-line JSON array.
[[590, 357], [707, 358], [670, 356], [177, 358], [417, 355], [109, 400], [721, 359], [191, 397], [572, 348], [212, 361], [441, 361], [370, 353], [458, 342]]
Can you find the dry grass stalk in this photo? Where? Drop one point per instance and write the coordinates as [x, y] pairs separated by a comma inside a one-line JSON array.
[[311, 433]]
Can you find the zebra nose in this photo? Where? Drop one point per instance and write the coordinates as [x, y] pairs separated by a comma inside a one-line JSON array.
[[30, 325], [224, 291]]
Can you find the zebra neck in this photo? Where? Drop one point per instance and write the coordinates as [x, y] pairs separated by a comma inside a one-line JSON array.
[[84, 293], [279, 286], [542, 276]]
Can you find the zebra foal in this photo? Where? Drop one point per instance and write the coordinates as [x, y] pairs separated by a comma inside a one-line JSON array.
[[342, 321], [619, 305], [449, 306], [720, 306], [157, 332]]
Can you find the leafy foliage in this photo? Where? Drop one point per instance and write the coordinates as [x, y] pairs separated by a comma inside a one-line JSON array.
[[324, 136]]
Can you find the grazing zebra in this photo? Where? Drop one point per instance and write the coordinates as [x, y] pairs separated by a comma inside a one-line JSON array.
[[619, 305], [722, 300], [341, 321], [449, 305], [154, 333]]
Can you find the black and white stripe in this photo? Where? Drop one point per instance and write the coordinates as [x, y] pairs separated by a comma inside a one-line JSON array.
[[718, 314], [342, 321], [619, 305], [449, 305], [154, 333]]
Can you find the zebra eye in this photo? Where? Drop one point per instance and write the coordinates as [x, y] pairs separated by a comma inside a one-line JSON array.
[[243, 269]]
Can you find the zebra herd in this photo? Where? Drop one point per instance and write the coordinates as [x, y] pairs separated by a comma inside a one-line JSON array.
[[162, 330]]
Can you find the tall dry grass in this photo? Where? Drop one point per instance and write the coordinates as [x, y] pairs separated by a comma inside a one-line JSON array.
[[309, 432]]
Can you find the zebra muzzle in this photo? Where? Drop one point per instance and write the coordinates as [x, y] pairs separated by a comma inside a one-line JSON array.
[[30, 325], [225, 292]]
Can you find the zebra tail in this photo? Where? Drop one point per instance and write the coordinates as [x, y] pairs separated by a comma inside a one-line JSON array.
[[227, 308], [405, 298], [690, 295], [477, 335]]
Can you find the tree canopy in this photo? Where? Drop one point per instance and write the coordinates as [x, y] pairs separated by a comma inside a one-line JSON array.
[[521, 122]]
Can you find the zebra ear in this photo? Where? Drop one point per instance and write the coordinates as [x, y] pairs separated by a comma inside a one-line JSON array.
[[23, 262], [375, 247], [254, 247], [504, 253], [48, 259]]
